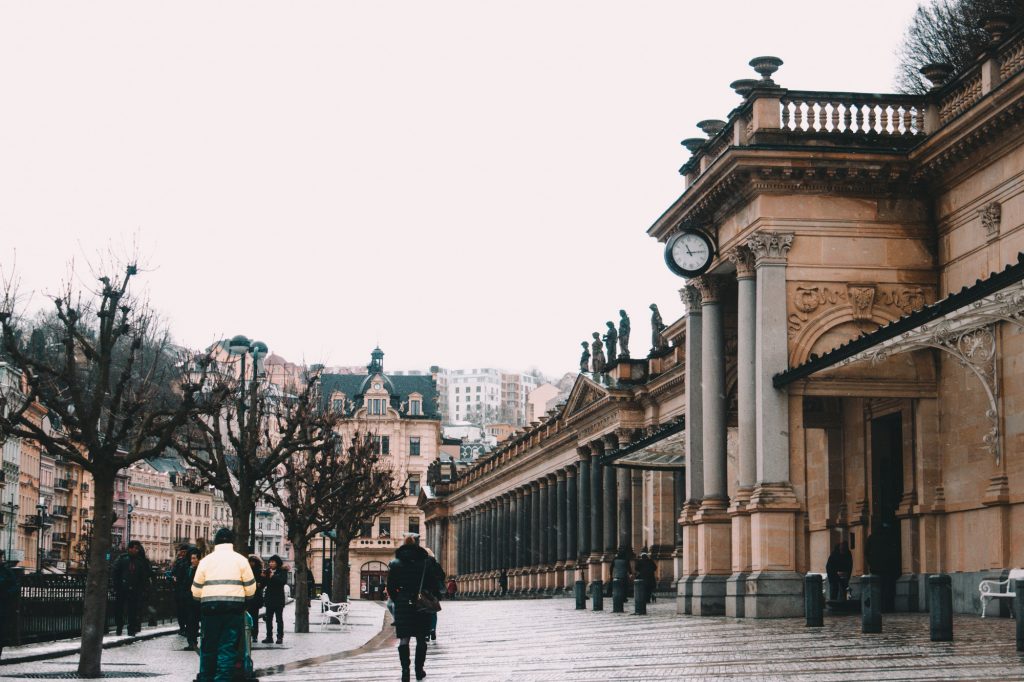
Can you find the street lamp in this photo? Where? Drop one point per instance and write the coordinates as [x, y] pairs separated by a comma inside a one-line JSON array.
[[41, 509], [12, 512], [241, 345]]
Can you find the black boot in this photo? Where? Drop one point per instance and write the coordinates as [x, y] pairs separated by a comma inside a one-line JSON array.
[[403, 656], [421, 657]]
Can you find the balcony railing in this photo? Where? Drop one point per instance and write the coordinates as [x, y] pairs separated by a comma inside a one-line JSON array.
[[61, 484], [60, 538], [850, 113]]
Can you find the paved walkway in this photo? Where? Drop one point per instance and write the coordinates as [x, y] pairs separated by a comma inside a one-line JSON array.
[[549, 640], [162, 657]]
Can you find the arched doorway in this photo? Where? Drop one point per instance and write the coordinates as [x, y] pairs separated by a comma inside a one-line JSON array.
[[373, 575]]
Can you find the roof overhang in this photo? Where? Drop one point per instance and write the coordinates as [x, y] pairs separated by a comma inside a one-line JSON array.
[[663, 450]]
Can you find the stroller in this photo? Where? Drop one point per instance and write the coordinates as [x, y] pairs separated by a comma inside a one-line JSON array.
[[243, 666]]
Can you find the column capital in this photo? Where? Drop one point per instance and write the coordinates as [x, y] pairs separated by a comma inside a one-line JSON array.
[[624, 437], [743, 258], [584, 452], [710, 288], [691, 299], [567, 472], [770, 248], [542, 482]]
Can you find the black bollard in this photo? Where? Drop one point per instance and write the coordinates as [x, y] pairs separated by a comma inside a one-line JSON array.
[[640, 597], [1018, 610], [618, 595], [940, 599], [814, 601], [870, 603], [597, 595], [579, 589]]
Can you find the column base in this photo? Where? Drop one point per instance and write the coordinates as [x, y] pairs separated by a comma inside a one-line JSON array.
[[774, 595], [735, 595], [684, 595], [908, 592], [709, 595]]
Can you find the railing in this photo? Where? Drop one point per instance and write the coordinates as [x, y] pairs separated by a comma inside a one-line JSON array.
[[61, 511], [50, 607], [60, 538], [60, 484], [851, 113]]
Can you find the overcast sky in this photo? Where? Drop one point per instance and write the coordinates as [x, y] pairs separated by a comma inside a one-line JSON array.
[[465, 183]]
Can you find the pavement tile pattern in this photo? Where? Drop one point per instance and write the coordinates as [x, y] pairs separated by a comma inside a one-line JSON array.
[[550, 640]]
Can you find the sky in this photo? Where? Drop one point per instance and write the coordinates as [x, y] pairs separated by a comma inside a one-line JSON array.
[[466, 184]]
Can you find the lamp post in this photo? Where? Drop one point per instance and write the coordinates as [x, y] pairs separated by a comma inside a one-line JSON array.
[[241, 346], [12, 512], [41, 509]]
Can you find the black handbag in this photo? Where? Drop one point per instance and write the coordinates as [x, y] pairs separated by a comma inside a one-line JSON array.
[[425, 601]]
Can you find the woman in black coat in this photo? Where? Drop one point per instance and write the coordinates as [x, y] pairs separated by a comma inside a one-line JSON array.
[[273, 598], [410, 568], [254, 603]]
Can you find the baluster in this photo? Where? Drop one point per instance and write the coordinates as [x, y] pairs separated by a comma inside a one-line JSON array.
[[872, 118], [785, 114], [834, 116], [798, 116], [822, 117], [907, 117]]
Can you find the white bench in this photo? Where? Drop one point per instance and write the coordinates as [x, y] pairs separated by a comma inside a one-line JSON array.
[[999, 589], [331, 611]]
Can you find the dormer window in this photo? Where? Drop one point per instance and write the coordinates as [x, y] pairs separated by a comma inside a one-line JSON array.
[[337, 402], [415, 404]]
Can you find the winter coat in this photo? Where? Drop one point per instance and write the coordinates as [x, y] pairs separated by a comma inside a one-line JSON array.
[[273, 593], [223, 580], [131, 576], [646, 570], [405, 572], [180, 574]]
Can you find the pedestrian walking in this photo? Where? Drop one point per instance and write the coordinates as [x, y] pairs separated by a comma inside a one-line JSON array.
[[452, 588], [222, 582], [838, 569], [276, 577], [192, 614], [647, 570], [9, 594], [412, 575], [131, 576], [179, 574], [503, 582], [255, 603]]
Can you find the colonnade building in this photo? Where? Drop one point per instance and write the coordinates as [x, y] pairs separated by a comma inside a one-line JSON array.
[[849, 368]]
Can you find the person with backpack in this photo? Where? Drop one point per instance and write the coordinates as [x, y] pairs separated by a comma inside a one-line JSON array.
[[413, 583], [222, 582], [131, 576]]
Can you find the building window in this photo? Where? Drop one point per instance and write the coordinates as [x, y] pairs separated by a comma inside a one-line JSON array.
[[382, 445], [206, 509], [366, 531], [338, 405], [179, 506], [415, 407], [414, 445], [384, 524], [188, 531], [414, 484], [414, 524], [188, 506]]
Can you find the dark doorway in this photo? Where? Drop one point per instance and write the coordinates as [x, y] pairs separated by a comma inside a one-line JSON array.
[[883, 546], [373, 576]]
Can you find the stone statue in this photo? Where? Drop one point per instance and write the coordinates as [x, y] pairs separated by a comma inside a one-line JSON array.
[[585, 357], [623, 335], [611, 340], [598, 354], [657, 327]]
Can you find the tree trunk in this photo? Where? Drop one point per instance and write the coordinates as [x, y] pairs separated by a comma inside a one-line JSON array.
[[94, 616], [340, 570], [301, 584], [240, 522]]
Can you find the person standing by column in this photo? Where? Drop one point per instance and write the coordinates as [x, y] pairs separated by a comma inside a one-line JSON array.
[[222, 582]]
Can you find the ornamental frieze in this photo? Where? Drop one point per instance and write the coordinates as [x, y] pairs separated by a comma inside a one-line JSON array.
[[809, 300]]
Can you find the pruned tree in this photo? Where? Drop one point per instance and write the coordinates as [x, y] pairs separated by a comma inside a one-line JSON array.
[[370, 485], [315, 490], [101, 388], [247, 428], [948, 32]]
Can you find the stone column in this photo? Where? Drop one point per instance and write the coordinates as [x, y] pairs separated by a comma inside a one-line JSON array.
[[582, 548], [596, 513], [774, 588], [561, 516], [520, 502], [545, 521], [488, 536], [714, 537], [502, 534], [535, 525], [569, 552], [746, 312], [694, 444], [623, 495], [553, 555], [509, 537], [513, 529], [610, 527]]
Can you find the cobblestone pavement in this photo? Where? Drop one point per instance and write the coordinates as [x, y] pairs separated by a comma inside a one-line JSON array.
[[550, 640], [162, 658]]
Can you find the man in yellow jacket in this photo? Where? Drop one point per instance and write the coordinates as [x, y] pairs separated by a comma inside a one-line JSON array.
[[222, 583]]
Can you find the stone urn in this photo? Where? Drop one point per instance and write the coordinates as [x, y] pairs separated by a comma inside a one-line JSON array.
[[711, 126], [937, 74], [693, 144], [743, 86], [765, 67]]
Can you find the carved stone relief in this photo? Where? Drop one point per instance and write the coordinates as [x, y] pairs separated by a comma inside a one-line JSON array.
[[991, 217], [810, 300]]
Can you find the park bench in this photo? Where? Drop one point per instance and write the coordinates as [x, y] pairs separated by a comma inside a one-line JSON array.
[[332, 611], [999, 589]]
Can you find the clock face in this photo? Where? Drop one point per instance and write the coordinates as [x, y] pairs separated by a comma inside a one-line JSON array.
[[688, 253]]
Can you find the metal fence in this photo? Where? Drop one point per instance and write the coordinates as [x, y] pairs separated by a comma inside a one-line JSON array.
[[50, 607]]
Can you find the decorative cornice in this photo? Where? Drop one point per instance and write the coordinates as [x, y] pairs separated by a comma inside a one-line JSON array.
[[770, 248], [743, 258], [710, 288]]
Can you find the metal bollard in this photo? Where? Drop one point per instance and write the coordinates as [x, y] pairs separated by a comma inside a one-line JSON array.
[[640, 597], [597, 595], [618, 595], [814, 601], [1018, 610], [870, 603], [579, 589], [940, 598]]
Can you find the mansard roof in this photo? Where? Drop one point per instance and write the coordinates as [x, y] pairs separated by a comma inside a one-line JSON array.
[[400, 387]]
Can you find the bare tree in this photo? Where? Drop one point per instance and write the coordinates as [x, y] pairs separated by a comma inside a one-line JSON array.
[[316, 492], [247, 428], [100, 388], [948, 32]]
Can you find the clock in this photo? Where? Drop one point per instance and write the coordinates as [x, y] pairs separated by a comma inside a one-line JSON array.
[[689, 253]]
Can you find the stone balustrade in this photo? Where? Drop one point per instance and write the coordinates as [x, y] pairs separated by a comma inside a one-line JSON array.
[[848, 113]]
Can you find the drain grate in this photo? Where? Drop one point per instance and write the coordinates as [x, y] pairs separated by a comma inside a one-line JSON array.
[[73, 675]]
